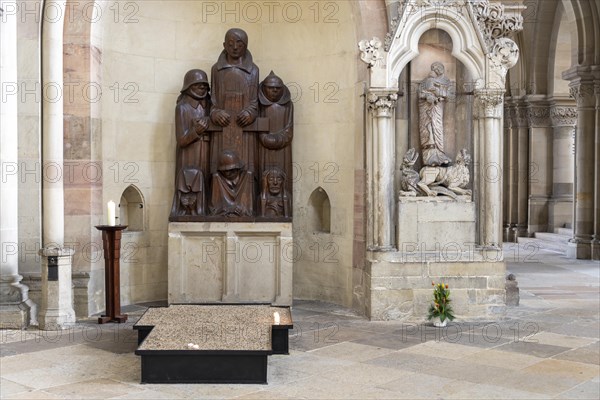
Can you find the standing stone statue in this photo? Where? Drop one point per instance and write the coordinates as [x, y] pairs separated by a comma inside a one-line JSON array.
[[235, 105], [275, 148], [192, 159], [433, 92], [232, 188]]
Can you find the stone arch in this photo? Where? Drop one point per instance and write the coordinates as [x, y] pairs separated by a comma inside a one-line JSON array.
[[466, 45], [319, 211]]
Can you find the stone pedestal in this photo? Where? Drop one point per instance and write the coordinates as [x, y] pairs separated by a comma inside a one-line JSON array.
[[230, 262], [57, 295]]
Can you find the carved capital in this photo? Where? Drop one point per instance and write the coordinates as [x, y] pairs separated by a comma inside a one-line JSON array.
[[583, 93], [382, 105], [539, 116], [490, 102], [522, 116], [371, 52], [563, 116]]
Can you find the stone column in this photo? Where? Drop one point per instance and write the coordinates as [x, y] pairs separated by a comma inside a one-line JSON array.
[[583, 191], [506, 175], [381, 167], [512, 169], [564, 118], [17, 311], [490, 103], [522, 170], [57, 309], [596, 241], [539, 176]]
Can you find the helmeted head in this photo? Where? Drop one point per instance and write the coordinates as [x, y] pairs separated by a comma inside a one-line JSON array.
[[193, 76], [272, 87], [230, 164]]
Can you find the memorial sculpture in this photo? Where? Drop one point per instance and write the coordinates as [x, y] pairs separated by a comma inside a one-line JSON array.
[[438, 176], [234, 152]]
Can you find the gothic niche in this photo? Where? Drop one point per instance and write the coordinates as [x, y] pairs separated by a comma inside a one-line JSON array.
[[437, 162], [234, 142]]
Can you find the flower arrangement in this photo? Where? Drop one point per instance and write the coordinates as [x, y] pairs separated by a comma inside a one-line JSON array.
[[441, 307]]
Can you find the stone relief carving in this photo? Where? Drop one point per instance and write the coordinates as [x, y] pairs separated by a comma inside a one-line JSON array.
[[489, 102], [370, 52], [409, 178], [494, 23], [563, 116], [504, 55], [539, 116], [382, 104], [229, 134]]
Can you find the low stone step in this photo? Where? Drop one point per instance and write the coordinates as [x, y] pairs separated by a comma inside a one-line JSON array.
[[557, 247], [564, 232], [551, 237]]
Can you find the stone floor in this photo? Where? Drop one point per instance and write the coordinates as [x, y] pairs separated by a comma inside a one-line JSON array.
[[548, 347]]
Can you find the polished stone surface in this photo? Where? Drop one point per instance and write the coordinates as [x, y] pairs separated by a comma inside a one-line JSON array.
[[548, 347]]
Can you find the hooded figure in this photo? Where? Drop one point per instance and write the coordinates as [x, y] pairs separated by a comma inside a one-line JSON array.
[[275, 148], [193, 144], [232, 188], [235, 85]]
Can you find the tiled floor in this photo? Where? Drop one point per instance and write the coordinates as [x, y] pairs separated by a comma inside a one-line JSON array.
[[548, 347]]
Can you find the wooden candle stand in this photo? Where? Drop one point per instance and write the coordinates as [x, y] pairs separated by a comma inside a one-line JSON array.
[[111, 242]]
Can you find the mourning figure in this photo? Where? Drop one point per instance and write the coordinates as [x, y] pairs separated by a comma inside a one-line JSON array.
[[433, 92], [274, 201], [274, 149], [193, 144], [232, 192], [234, 80]]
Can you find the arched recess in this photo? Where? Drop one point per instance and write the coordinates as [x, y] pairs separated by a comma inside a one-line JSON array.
[[132, 210], [319, 211], [465, 39]]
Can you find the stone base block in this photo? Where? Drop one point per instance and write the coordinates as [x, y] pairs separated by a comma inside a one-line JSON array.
[[12, 316], [596, 250], [230, 262], [579, 251], [403, 291]]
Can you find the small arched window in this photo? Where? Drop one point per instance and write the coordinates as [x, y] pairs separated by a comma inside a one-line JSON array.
[[131, 209], [319, 211]]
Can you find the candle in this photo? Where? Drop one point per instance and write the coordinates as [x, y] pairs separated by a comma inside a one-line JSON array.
[[111, 213], [277, 318]]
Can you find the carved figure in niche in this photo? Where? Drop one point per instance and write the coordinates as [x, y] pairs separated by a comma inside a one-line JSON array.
[[234, 80], [274, 199], [232, 188], [192, 159], [409, 180], [433, 92], [275, 149], [450, 181]]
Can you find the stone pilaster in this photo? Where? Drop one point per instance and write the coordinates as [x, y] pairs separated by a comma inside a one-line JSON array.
[[57, 293], [596, 239], [381, 160], [582, 91], [564, 118], [522, 169], [539, 176]]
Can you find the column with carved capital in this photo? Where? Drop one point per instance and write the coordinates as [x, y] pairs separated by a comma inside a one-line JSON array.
[[564, 118], [381, 160], [583, 191], [540, 164], [490, 114]]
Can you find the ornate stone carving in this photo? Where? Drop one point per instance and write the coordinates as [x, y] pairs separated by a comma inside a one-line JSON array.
[[563, 116], [494, 23], [504, 55], [370, 52], [539, 116], [583, 93], [489, 102], [382, 105]]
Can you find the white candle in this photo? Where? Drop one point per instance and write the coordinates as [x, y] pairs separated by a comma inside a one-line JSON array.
[[111, 213], [277, 318]]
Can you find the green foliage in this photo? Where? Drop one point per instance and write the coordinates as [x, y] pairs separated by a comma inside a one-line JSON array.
[[441, 307]]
